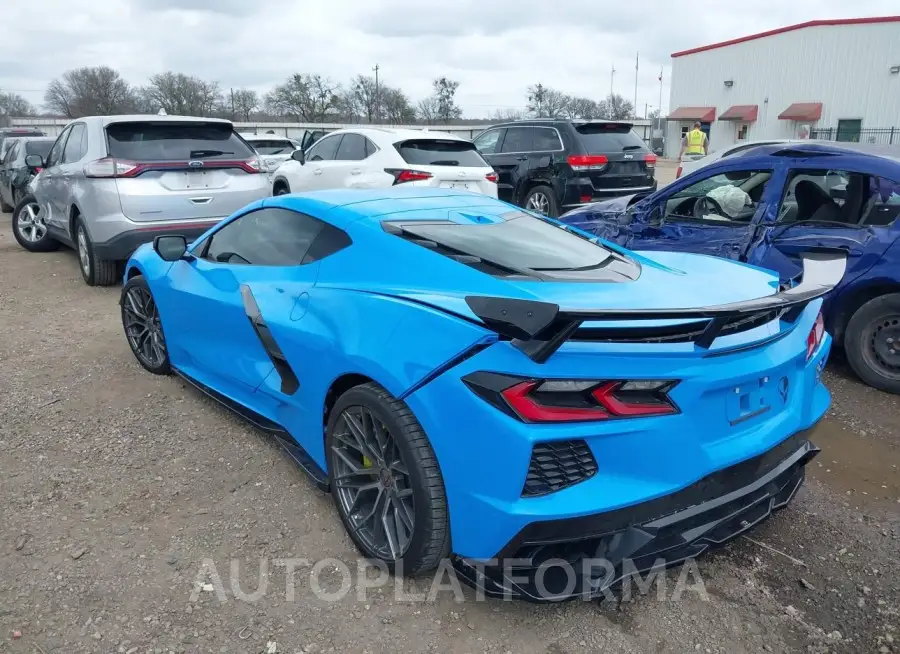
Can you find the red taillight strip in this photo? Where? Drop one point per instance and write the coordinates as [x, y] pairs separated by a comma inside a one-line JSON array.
[[184, 165], [530, 410], [815, 336], [606, 396]]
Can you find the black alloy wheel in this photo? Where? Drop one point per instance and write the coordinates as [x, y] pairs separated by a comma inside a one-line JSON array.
[[140, 319]]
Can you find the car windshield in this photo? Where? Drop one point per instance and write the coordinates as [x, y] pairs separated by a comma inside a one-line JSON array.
[[609, 137], [519, 241], [272, 146], [172, 141], [38, 147], [435, 152]]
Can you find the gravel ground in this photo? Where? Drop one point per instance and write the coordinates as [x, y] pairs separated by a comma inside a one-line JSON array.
[[117, 485]]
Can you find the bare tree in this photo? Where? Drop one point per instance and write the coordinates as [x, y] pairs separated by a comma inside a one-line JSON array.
[[13, 104], [544, 102], [243, 103], [505, 115], [182, 95], [583, 108], [89, 91], [396, 107], [308, 98], [427, 109], [359, 102], [445, 94], [615, 107]]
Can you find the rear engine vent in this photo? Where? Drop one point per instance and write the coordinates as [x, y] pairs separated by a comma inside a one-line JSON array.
[[488, 267], [558, 465]]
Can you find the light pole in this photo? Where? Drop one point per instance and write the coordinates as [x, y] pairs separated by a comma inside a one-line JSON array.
[[377, 104]]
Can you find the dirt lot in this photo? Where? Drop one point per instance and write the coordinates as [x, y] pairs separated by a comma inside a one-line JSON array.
[[117, 485]]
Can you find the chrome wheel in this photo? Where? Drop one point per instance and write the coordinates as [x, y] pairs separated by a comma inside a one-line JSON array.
[[140, 318], [30, 223], [83, 255], [373, 484], [538, 202]]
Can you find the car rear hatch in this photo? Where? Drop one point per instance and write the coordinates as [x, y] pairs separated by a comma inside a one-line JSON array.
[[613, 157], [445, 163], [170, 170]]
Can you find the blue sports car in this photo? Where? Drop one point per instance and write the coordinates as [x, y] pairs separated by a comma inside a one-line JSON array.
[[472, 381]]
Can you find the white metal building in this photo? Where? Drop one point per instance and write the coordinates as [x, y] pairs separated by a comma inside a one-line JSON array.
[[832, 79]]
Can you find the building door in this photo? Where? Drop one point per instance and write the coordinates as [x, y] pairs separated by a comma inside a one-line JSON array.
[[849, 130]]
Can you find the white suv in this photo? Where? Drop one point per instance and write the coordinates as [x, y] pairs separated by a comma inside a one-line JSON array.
[[375, 157]]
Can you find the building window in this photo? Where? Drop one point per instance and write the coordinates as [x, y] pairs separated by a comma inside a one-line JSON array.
[[742, 130]]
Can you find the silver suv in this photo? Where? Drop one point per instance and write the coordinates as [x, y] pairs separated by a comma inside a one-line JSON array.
[[111, 183]]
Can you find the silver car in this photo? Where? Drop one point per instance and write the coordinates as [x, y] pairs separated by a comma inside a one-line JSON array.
[[272, 149], [111, 183]]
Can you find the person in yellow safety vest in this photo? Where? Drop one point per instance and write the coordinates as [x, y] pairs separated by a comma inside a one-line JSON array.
[[694, 142]]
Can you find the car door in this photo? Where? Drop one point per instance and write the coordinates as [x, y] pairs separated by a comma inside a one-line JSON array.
[[488, 144], [833, 207], [217, 303], [315, 174], [6, 172], [716, 213], [512, 161], [47, 188], [68, 172], [348, 169]]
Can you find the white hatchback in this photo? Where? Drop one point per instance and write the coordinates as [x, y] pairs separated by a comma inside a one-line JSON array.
[[376, 157]]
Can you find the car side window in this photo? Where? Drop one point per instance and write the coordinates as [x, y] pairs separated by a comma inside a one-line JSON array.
[[11, 153], [57, 149], [486, 142], [546, 139], [371, 148], [838, 196], [324, 149], [518, 139], [75, 149], [732, 196], [274, 237], [352, 148]]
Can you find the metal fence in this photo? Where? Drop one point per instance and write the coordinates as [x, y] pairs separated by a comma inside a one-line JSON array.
[[879, 136]]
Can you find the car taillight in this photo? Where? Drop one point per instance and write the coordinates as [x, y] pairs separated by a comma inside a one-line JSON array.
[[581, 162], [402, 175], [650, 160], [492, 177], [251, 165], [814, 338], [38, 169], [555, 400], [110, 167]]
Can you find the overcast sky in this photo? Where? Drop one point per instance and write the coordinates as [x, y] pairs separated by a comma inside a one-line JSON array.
[[494, 48]]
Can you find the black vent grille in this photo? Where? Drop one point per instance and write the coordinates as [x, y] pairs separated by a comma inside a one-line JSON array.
[[558, 465], [683, 333]]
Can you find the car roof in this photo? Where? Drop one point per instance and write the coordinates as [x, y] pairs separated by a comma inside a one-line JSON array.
[[149, 118], [377, 205], [266, 137], [395, 134], [537, 122], [813, 148]]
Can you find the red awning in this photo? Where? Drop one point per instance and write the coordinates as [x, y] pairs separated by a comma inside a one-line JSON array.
[[802, 111], [743, 112], [703, 114]]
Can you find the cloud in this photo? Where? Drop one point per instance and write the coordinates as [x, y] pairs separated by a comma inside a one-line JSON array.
[[494, 49]]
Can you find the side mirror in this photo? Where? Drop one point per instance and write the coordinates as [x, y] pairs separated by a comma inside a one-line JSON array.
[[170, 248], [298, 156], [34, 161]]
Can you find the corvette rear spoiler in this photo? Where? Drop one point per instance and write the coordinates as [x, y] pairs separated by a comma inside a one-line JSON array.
[[540, 328]]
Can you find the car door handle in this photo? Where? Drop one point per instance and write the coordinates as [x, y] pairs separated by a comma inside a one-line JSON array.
[[201, 200], [317, 171], [522, 158], [356, 171]]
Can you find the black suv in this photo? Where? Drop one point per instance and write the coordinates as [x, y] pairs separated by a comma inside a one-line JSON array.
[[552, 166]]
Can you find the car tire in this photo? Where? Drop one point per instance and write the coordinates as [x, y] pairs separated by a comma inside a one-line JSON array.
[[281, 188], [142, 326], [872, 342], [541, 199], [29, 229], [426, 527], [96, 271]]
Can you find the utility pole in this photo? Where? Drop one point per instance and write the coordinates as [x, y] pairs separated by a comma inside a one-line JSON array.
[[636, 64], [377, 98], [232, 103], [612, 76]]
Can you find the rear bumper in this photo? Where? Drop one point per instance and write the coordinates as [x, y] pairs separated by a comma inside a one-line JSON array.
[[121, 246], [585, 556], [578, 188]]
